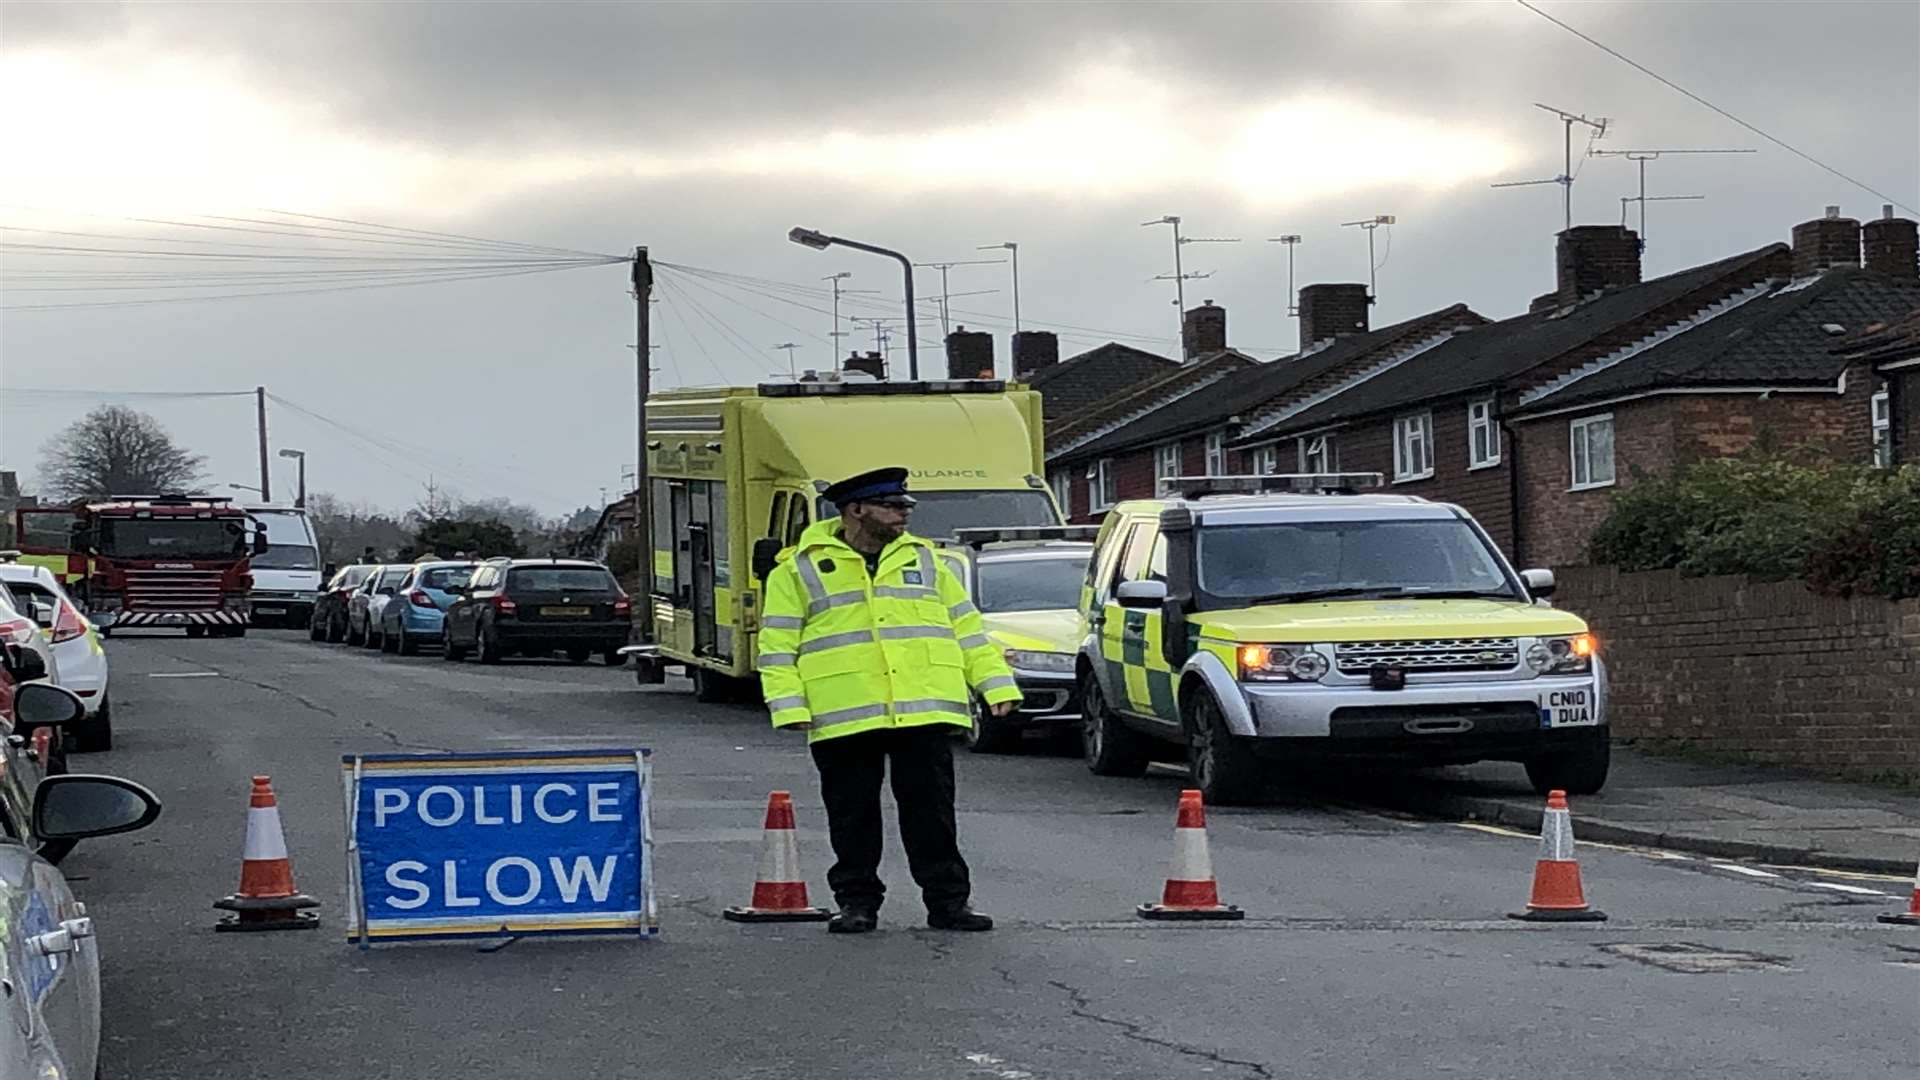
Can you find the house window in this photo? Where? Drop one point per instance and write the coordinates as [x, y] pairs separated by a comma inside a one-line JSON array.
[[1591, 447], [1318, 455], [1413, 447], [1483, 435], [1266, 460], [1102, 490], [1217, 454], [1062, 483], [1882, 430], [1166, 464]]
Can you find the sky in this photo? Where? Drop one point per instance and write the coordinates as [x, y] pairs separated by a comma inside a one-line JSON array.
[[706, 131]]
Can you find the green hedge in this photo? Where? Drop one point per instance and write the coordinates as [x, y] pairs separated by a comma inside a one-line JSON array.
[[1844, 528]]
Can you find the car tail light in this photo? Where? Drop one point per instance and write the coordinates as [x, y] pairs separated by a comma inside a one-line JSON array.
[[421, 599], [504, 606], [17, 630], [623, 607], [68, 624]]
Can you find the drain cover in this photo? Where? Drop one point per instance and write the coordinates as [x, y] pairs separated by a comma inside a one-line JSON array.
[[1690, 959]]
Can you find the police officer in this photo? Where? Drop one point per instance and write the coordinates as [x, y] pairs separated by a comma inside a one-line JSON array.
[[869, 643]]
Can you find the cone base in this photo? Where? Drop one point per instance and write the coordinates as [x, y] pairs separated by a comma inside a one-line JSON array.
[[1905, 918], [295, 920], [1585, 914], [1161, 912], [754, 915], [290, 902]]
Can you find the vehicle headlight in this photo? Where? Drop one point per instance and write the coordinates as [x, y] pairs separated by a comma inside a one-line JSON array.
[[1281, 663], [1034, 660], [1563, 655]]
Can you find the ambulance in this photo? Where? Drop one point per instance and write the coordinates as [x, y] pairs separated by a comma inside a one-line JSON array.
[[736, 474]]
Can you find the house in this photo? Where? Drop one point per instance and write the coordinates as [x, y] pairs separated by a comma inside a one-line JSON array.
[[1072, 386], [1893, 350]]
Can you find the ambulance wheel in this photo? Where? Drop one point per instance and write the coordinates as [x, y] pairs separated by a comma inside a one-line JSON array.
[[710, 687], [1223, 767], [649, 671], [1111, 748], [1581, 770], [989, 734]]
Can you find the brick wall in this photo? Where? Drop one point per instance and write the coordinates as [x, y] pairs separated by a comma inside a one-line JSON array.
[[1762, 670]]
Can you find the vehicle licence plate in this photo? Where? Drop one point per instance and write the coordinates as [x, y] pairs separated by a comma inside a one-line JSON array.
[[272, 611], [573, 611], [1568, 708]]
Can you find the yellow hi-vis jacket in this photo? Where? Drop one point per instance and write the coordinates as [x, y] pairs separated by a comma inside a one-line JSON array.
[[853, 653]]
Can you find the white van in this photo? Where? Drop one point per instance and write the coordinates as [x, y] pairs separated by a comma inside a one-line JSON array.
[[286, 579]]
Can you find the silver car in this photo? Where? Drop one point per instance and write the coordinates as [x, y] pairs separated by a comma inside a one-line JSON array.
[[80, 657]]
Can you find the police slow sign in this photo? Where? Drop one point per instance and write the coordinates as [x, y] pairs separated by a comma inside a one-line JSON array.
[[484, 845]]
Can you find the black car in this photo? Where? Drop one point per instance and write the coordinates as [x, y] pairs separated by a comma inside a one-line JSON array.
[[535, 607], [329, 620]]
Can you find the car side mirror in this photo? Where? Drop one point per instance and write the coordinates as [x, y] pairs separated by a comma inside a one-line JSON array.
[[260, 544], [1142, 594], [23, 664], [39, 705], [42, 612], [766, 552], [1538, 582], [76, 807]]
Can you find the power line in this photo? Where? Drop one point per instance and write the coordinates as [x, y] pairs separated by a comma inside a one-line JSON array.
[[1670, 84], [451, 275]]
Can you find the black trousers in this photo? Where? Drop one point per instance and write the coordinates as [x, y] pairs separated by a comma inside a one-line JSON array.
[[851, 768]]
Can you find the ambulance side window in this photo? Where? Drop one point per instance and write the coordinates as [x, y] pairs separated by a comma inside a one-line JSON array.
[[1157, 560], [1100, 569], [1133, 564], [777, 518], [796, 519]]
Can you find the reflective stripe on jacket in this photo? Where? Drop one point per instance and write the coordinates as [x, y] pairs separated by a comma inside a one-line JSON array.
[[852, 653]]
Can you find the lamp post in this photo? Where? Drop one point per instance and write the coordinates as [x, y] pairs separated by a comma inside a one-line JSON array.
[[300, 498], [247, 487], [820, 241]]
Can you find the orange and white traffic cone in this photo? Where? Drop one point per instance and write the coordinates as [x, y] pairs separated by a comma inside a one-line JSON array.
[[1911, 916], [1557, 896], [1191, 892], [779, 889], [267, 899]]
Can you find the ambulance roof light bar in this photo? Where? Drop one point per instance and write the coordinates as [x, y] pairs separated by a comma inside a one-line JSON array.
[[978, 538], [1334, 483], [837, 388]]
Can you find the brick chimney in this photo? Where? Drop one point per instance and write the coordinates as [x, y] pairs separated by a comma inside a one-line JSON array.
[[871, 363], [1033, 350], [1331, 311], [1825, 242], [969, 354], [1892, 245], [1590, 258], [1203, 330]]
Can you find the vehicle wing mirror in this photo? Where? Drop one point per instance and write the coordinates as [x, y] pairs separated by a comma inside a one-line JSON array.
[[39, 705], [75, 807], [42, 612], [1142, 594], [1538, 582], [23, 664], [260, 544], [766, 552]]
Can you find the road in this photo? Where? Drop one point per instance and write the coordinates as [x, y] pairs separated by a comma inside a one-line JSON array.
[[1375, 945]]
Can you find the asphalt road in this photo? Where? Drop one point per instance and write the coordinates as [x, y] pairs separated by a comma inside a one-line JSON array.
[[1375, 945]]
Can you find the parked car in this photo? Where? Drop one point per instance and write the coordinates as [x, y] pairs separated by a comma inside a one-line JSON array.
[[417, 613], [366, 603], [329, 621], [80, 658], [33, 715], [534, 607], [26, 656], [1028, 593], [286, 576]]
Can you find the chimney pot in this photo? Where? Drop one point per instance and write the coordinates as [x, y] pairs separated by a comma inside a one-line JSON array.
[[1833, 213]]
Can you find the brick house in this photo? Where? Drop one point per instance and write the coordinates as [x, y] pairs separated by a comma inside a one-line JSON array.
[[1893, 350], [1070, 387]]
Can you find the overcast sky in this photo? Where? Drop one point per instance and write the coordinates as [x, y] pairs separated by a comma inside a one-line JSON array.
[[706, 131]]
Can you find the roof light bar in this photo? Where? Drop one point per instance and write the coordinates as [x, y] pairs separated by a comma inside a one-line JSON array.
[[975, 538], [1193, 487]]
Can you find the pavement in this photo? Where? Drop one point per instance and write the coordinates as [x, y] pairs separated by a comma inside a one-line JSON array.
[[1376, 942]]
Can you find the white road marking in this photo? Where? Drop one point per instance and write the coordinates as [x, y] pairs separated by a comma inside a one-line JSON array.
[[1495, 830], [183, 675], [1838, 887], [987, 1063], [1747, 870], [1848, 875]]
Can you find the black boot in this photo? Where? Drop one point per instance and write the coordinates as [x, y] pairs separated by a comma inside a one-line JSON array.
[[962, 918], [853, 920]]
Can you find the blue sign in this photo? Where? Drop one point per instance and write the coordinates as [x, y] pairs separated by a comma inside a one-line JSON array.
[[486, 845]]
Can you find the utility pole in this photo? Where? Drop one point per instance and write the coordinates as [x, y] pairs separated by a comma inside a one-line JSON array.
[[1373, 292], [260, 407], [1642, 157], [1292, 240], [643, 361], [1180, 277], [1565, 179]]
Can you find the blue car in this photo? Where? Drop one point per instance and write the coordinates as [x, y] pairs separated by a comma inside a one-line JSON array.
[[418, 611]]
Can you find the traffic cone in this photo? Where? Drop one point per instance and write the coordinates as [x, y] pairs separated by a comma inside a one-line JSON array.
[[1191, 892], [1557, 896], [1911, 916], [267, 899], [779, 889]]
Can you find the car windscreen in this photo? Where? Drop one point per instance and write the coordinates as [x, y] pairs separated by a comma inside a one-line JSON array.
[[939, 513], [561, 579], [353, 576], [391, 578], [1030, 584], [172, 538], [287, 557], [1348, 559], [445, 578]]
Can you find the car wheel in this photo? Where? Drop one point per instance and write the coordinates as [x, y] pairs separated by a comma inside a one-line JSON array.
[[448, 649], [389, 641], [1224, 769], [1111, 748], [989, 734], [1581, 770], [354, 637], [579, 656], [316, 630], [615, 658], [490, 647], [409, 645], [336, 630], [95, 732]]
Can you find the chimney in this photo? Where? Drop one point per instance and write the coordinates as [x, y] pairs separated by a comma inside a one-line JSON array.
[[969, 354], [1033, 350], [1825, 242], [1892, 246], [1331, 311], [871, 364], [1203, 330], [9, 485], [1591, 258]]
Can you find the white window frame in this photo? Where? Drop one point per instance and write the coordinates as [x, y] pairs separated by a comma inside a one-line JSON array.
[[1062, 484], [1216, 453], [1880, 415], [1266, 459], [1405, 428], [1166, 464], [1480, 418], [1578, 454], [1100, 479], [1319, 454]]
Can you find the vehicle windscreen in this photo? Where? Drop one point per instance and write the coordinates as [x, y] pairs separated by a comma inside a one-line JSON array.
[[536, 579], [939, 513], [1030, 584], [172, 538], [1301, 561], [445, 578], [391, 578], [287, 557], [353, 576]]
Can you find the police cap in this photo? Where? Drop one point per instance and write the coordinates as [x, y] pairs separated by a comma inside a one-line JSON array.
[[890, 483]]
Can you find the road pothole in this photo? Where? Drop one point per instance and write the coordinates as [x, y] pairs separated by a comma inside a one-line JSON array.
[[1690, 959]]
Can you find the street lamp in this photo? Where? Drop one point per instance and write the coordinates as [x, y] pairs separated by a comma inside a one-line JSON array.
[[820, 241], [300, 499], [247, 487], [1014, 249]]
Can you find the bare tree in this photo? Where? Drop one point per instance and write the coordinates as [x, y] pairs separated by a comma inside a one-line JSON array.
[[114, 450]]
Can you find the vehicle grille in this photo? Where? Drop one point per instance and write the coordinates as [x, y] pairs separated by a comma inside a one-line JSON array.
[[1435, 654], [173, 590]]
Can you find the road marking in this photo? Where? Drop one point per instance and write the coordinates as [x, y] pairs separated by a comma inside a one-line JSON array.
[[1747, 870], [987, 1063], [1838, 887], [1494, 829], [1849, 875], [183, 675]]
